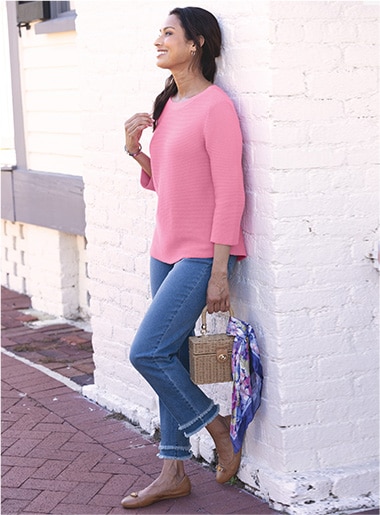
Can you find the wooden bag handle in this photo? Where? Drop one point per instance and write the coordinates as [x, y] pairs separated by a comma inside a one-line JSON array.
[[204, 324]]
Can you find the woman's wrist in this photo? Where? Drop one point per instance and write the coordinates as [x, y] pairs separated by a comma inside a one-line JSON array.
[[219, 274], [133, 153], [220, 282], [220, 260]]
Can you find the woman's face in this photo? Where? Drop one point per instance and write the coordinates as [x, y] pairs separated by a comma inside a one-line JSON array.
[[173, 50]]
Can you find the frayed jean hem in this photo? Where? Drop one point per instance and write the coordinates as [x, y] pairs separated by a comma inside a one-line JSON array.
[[174, 453], [174, 458], [200, 421]]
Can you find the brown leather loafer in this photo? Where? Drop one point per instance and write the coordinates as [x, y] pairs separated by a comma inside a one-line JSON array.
[[224, 472], [141, 499]]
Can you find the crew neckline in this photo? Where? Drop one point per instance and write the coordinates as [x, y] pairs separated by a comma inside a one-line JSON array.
[[186, 101]]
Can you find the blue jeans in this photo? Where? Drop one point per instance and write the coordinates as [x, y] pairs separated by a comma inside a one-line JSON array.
[[160, 350]]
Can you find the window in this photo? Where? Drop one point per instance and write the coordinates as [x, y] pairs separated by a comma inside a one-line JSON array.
[[58, 8], [52, 16], [32, 11]]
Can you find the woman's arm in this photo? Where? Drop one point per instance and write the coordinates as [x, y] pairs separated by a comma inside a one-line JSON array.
[[133, 130], [218, 291], [223, 140], [144, 162]]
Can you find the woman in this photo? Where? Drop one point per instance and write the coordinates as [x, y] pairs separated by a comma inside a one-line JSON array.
[[195, 169]]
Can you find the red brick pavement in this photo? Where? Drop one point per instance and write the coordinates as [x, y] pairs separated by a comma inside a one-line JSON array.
[[59, 347], [63, 454]]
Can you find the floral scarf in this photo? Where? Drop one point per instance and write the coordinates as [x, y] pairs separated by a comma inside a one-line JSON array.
[[247, 376]]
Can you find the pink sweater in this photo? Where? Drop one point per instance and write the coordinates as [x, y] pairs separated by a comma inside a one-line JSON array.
[[196, 154]]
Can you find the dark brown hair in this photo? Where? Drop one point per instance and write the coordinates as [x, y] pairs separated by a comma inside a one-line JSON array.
[[196, 22]]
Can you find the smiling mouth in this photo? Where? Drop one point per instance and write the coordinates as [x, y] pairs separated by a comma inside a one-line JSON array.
[[161, 52]]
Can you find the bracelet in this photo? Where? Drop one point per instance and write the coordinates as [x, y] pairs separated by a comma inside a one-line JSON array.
[[135, 153]]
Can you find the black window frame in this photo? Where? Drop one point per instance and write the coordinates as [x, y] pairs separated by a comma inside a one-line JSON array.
[[28, 12], [53, 16]]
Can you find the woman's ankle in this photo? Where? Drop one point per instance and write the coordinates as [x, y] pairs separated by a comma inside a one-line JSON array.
[[173, 468], [217, 427]]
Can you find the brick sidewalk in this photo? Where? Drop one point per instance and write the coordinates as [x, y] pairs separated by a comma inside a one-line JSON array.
[[63, 454], [59, 347]]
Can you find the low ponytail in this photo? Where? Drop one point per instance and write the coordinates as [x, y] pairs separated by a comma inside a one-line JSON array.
[[160, 102]]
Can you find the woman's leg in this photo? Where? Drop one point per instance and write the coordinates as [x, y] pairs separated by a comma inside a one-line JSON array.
[[229, 462], [169, 320], [174, 444], [178, 301]]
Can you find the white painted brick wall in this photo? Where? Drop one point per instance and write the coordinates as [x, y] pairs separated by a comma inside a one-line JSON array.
[[13, 269], [303, 76], [47, 265]]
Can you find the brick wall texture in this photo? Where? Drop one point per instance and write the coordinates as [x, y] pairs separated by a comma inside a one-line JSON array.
[[304, 79]]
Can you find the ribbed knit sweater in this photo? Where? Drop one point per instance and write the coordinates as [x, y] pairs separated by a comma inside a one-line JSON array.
[[196, 162]]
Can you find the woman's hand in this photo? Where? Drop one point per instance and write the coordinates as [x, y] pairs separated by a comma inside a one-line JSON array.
[[134, 128], [218, 293], [218, 290]]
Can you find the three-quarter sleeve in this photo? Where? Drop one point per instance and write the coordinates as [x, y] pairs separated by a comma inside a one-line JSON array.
[[223, 141], [146, 181]]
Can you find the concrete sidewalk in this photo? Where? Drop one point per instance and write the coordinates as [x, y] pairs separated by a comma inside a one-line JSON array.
[[64, 454]]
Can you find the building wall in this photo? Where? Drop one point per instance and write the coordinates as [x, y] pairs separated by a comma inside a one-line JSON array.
[[303, 76], [51, 101], [49, 265], [6, 126], [324, 153]]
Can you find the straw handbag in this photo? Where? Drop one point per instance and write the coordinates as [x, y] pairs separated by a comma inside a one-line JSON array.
[[210, 356]]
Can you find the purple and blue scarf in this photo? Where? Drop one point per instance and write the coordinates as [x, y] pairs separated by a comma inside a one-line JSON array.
[[247, 376]]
